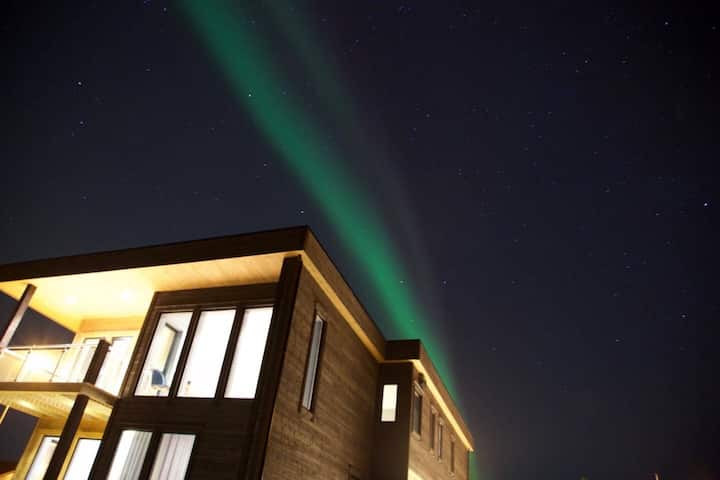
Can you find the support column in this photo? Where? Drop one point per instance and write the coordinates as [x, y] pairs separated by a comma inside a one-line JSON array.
[[264, 403], [72, 424], [15, 320]]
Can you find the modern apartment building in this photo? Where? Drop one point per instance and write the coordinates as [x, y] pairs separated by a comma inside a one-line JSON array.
[[241, 357]]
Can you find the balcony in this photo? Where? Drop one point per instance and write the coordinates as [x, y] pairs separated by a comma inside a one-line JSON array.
[[43, 381]]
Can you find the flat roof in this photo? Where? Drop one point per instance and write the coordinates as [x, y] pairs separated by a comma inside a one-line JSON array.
[[121, 282]]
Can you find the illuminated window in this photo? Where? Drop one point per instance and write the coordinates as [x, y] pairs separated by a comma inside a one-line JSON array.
[[389, 403], [173, 456], [312, 363], [207, 351], [417, 411], [162, 359], [42, 458], [433, 427], [249, 352], [129, 455], [82, 459]]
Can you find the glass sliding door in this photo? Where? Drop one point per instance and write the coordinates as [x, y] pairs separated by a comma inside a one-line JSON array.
[[42, 457], [82, 459]]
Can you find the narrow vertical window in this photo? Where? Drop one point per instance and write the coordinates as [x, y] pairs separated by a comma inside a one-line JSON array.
[[389, 403], [207, 352], [173, 456], [433, 422], [452, 455], [82, 459], [249, 352], [312, 363], [129, 455], [441, 431], [417, 411], [42, 457], [162, 359]]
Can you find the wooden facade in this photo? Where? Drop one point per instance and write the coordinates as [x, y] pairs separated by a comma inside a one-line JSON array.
[[271, 436]]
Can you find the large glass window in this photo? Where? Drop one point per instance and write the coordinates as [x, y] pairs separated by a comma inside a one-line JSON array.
[[249, 352], [207, 352], [417, 411], [173, 456], [129, 455], [162, 359], [389, 403], [42, 458], [82, 459], [312, 363]]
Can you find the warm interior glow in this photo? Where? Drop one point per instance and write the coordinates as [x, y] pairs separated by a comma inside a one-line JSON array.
[[389, 403], [207, 352], [82, 459], [173, 456], [129, 455], [42, 458], [247, 360], [162, 358], [68, 299]]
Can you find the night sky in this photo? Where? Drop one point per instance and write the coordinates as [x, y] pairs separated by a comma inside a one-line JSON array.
[[547, 175]]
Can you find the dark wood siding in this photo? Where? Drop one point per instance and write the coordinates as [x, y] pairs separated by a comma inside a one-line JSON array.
[[336, 438]]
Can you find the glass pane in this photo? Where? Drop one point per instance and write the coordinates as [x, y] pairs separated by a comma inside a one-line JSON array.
[[173, 456], [83, 359], [42, 458], [115, 365], [314, 355], [160, 365], [389, 403], [247, 361], [207, 352], [82, 459], [129, 455]]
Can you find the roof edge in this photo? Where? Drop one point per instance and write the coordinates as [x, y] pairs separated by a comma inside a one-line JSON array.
[[414, 350], [246, 244]]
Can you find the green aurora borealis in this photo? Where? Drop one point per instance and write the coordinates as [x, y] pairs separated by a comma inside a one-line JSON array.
[[257, 84]]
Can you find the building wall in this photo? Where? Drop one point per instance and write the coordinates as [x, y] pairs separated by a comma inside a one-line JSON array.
[[335, 440], [424, 461]]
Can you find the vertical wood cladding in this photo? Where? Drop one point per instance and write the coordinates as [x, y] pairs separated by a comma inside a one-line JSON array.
[[423, 460], [336, 438]]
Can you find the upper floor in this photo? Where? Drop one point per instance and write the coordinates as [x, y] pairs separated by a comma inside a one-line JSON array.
[[198, 325]]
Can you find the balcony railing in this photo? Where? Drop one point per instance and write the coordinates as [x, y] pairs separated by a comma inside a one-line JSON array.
[[62, 363]]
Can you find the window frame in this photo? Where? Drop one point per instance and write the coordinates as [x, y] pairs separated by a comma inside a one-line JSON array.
[[74, 450], [37, 451], [452, 454], [416, 412], [321, 349], [153, 447], [202, 300], [433, 429], [441, 434], [382, 401]]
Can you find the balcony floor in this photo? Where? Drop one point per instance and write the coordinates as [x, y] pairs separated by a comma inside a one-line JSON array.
[[52, 402]]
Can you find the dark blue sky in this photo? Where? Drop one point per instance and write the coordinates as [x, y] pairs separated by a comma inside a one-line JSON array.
[[553, 174]]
